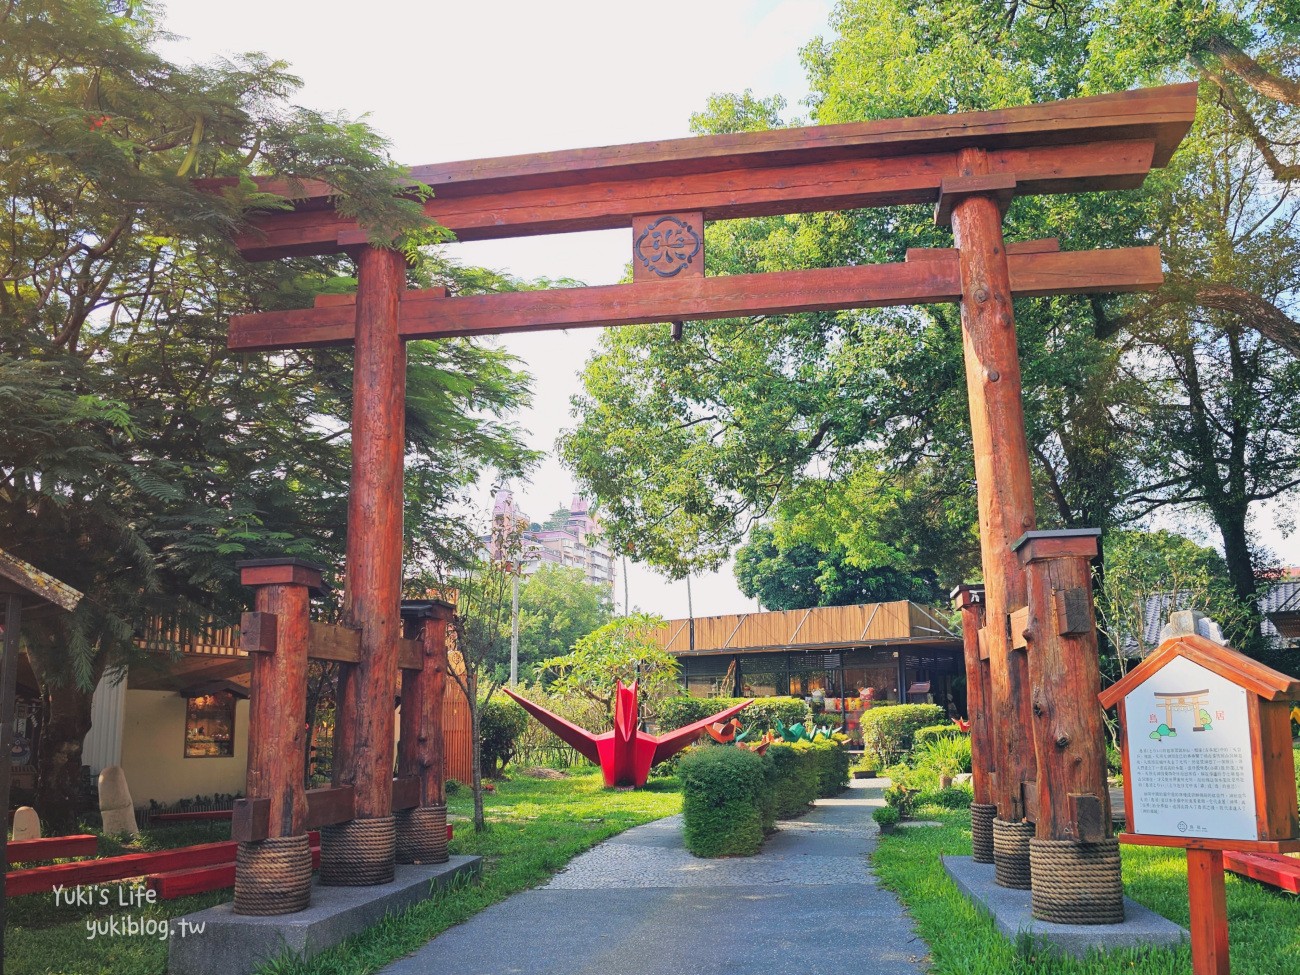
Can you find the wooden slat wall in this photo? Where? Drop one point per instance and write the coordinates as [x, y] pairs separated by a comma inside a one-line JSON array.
[[824, 626], [457, 730]]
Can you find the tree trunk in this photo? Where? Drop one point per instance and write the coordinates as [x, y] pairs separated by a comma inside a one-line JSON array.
[[480, 821], [1236, 552], [58, 762]]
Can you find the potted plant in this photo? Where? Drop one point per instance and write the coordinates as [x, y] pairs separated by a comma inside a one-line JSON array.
[[886, 818]]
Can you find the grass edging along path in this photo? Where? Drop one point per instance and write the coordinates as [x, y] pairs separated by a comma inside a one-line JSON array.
[[536, 827], [1264, 925]]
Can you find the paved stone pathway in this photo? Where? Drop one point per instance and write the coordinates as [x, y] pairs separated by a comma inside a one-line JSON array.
[[639, 904]]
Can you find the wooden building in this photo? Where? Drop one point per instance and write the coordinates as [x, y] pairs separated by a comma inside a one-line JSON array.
[[898, 651]]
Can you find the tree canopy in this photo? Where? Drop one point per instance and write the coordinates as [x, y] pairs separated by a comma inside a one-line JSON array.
[[140, 458], [849, 430]]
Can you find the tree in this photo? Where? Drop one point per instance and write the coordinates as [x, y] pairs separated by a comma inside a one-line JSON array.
[[799, 576], [482, 627], [841, 424], [624, 649], [557, 607], [140, 458], [1169, 572]]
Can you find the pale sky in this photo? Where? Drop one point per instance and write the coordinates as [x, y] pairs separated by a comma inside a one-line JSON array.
[[446, 81]]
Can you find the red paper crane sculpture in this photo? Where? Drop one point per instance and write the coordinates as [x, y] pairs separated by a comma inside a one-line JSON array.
[[626, 753]]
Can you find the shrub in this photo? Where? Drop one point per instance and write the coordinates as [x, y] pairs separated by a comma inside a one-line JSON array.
[[954, 797], [832, 767], [944, 756], [902, 798], [887, 732], [759, 717], [934, 732], [886, 816], [795, 780], [500, 724], [723, 795]]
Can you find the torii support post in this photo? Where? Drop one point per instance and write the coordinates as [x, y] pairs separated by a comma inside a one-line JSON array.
[[1075, 861], [422, 832], [360, 853], [970, 600], [273, 875], [975, 202]]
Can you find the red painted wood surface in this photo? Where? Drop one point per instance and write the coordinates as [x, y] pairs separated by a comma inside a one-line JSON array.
[[277, 707], [190, 817], [421, 750], [1005, 489], [36, 880], [364, 730], [923, 279], [1209, 912], [1104, 142], [1069, 738], [1268, 868], [970, 600], [52, 848]]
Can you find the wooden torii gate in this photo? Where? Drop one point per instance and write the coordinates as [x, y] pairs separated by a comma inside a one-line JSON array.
[[1043, 768]]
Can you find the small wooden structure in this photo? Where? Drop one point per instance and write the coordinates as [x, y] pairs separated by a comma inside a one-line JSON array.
[[969, 166], [23, 589], [274, 867], [1221, 780]]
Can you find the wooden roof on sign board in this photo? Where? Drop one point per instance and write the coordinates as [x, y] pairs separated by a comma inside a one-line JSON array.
[[36, 587], [1245, 672]]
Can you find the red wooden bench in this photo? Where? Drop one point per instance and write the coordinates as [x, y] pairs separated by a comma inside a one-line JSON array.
[[39, 880], [52, 848], [1268, 868]]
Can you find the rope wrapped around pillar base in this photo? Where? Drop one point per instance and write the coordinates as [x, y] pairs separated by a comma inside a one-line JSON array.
[[422, 835], [273, 876], [1077, 883], [981, 831], [358, 853], [1011, 853]]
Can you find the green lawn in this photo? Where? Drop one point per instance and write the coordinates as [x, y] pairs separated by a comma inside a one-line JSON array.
[[536, 827], [1263, 924]]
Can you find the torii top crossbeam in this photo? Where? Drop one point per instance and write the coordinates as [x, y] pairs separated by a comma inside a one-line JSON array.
[[1105, 142]]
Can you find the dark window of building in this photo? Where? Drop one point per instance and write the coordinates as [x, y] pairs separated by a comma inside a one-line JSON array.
[[210, 726]]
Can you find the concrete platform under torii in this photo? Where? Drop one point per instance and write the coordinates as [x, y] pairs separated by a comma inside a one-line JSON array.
[[236, 944], [1011, 912]]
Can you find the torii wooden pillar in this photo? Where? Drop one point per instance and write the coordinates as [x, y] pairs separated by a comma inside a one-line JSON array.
[[971, 165]]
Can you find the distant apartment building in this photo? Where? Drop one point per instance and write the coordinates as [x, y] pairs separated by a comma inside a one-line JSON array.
[[570, 538]]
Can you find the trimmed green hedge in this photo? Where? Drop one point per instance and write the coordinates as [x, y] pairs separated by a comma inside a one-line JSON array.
[[832, 768], [732, 797], [888, 730], [724, 793], [759, 717], [795, 777]]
